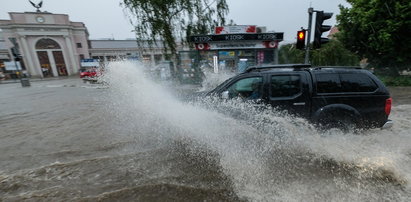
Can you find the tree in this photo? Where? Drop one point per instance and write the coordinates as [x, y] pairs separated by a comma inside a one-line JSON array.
[[378, 30], [172, 20], [332, 53], [288, 54]]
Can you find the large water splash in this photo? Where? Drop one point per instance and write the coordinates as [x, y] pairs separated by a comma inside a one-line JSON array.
[[267, 154], [212, 80]]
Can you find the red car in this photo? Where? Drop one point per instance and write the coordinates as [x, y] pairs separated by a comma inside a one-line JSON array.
[[89, 73]]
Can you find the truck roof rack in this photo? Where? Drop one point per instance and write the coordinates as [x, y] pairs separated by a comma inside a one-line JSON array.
[[265, 67], [341, 67]]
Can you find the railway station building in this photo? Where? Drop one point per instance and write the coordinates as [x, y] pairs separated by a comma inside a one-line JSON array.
[[50, 44]]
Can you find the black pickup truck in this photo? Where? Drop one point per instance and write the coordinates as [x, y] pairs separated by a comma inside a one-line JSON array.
[[329, 96]]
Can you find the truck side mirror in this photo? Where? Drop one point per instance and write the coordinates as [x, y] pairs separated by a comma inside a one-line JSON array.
[[225, 95]]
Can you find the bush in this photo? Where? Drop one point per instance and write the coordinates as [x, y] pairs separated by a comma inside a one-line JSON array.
[[395, 80]]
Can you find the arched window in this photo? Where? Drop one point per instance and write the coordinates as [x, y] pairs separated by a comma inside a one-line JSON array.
[[47, 44]]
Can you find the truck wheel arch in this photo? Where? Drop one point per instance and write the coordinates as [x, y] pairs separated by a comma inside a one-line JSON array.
[[334, 112]]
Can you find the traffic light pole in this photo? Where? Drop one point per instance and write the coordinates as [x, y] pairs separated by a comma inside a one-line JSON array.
[[17, 58], [307, 47]]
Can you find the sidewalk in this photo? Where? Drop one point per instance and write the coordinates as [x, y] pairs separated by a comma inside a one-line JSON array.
[[38, 79]]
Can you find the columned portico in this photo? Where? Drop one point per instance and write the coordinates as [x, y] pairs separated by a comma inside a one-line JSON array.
[[27, 56], [50, 44], [71, 53]]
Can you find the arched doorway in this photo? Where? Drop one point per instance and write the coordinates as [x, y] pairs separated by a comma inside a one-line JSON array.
[[51, 58]]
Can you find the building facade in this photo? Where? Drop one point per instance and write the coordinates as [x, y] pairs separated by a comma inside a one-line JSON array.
[[50, 44], [109, 49]]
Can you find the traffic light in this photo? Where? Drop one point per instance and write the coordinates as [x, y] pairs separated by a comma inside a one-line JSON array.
[[300, 39], [320, 28], [16, 53]]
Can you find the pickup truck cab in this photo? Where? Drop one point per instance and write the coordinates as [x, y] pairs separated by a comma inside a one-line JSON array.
[[329, 96]]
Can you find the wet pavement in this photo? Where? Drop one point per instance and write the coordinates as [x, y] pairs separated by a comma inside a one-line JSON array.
[[133, 140]]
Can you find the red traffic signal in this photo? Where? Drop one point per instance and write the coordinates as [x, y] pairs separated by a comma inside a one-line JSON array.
[[301, 35], [301, 39]]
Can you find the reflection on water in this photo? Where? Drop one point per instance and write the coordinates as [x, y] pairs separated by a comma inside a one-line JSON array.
[[135, 141]]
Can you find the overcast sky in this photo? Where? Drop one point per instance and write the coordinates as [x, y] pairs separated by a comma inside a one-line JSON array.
[[106, 19]]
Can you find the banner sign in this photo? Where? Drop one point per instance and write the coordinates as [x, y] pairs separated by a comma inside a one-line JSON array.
[[236, 29], [89, 60], [276, 36], [11, 66], [90, 63], [238, 45]]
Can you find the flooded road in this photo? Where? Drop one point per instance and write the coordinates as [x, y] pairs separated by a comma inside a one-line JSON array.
[[133, 140]]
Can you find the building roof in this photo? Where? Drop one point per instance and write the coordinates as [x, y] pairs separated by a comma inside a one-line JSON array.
[[333, 31], [120, 44]]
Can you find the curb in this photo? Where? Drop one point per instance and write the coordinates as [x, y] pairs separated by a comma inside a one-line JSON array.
[[37, 79]]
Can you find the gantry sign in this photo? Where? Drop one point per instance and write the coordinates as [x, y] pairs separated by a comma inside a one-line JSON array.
[[278, 36], [239, 41]]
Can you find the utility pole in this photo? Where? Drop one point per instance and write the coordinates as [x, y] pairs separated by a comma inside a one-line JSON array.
[[307, 47]]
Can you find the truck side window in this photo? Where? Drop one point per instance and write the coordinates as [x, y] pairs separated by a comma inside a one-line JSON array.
[[285, 85], [247, 88], [328, 83], [357, 83]]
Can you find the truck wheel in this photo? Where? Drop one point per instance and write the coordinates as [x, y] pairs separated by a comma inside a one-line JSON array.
[[345, 124]]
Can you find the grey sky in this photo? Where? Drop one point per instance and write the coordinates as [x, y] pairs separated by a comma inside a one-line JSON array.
[[106, 19]]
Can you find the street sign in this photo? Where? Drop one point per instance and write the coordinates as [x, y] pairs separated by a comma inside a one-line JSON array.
[[11, 66]]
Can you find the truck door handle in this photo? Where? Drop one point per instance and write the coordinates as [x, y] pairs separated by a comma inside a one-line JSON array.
[[299, 103]]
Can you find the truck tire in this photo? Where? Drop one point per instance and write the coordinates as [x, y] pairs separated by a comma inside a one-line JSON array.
[[345, 123]]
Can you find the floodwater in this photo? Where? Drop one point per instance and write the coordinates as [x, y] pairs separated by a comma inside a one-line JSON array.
[[131, 139]]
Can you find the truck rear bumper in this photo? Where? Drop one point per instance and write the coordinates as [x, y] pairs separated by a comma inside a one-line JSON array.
[[388, 124]]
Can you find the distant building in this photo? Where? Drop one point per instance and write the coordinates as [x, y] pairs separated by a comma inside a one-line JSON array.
[[50, 44], [333, 31], [108, 50]]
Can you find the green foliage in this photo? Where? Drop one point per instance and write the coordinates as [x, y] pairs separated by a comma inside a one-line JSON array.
[[288, 54], [378, 30], [331, 54], [172, 20], [395, 80]]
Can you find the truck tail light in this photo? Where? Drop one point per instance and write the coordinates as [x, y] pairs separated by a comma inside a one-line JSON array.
[[388, 104]]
